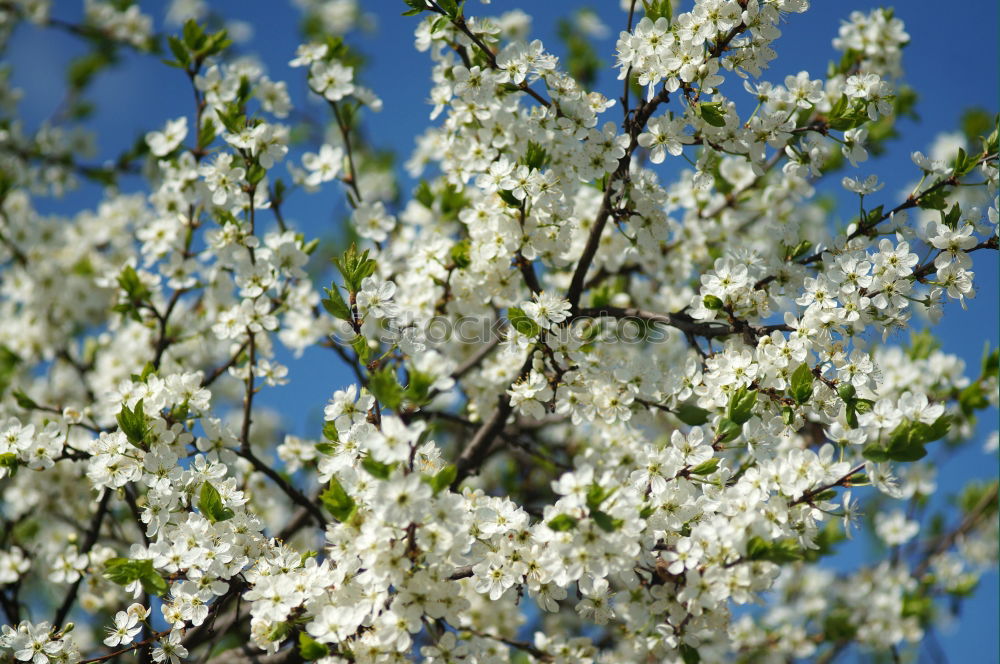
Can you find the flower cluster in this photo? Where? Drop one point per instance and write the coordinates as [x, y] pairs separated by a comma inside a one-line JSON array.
[[684, 401]]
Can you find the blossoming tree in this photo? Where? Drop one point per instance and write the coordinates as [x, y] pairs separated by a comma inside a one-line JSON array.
[[595, 415]]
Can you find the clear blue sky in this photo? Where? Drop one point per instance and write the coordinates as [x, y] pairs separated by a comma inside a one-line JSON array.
[[951, 62]]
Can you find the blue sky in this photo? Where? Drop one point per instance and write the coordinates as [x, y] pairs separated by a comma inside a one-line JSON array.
[[951, 62]]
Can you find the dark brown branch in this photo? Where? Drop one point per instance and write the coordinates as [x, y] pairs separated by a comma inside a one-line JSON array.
[[93, 531], [476, 358], [460, 23], [682, 322], [478, 448], [634, 125], [968, 523], [345, 135], [223, 368]]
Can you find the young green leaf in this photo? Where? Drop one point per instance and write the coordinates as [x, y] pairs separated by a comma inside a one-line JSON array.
[[801, 387], [385, 387], [376, 468], [562, 523], [691, 415], [134, 424], [444, 478], [310, 649], [520, 322], [713, 113], [336, 501], [727, 431], [706, 467], [741, 405], [124, 571], [210, 504]]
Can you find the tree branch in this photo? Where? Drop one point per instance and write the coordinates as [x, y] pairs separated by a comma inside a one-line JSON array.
[[93, 530]]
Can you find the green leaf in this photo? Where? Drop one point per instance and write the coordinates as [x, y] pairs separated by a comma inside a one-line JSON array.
[[129, 281], [837, 626], [335, 305], [9, 461], [330, 432], [918, 606], [416, 7], [310, 648], [210, 504], [906, 442], [781, 551], [706, 467], [522, 323], [177, 48], [124, 571], [973, 398], [727, 431], [336, 501], [596, 495], [829, 494], [232, 118], [689, 654], [217, 43], [655, 9], [966, 587], [606, 522], [23, 400], [375, 468], [535, 156], [798, 250], [876, 452], [444, 478], [863, 405], [953, 216], [756, 547], [508, 197], [874, 216], [9, 362], [713, 113], [937, 429], [423, 193], [310, 247], [562, 523], [418, 389], [83, 69], [933, 200], [741, 405], [839, 108], [460, 253], [194, 35], [279, 631], [151, 581], [360, 345], [450, 7], [787, 415], [354, 267], [691, 415], [134, 424], [256, 173], [991, 362], [801, 387], [385, 387], [851, 415], [712, 302]]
